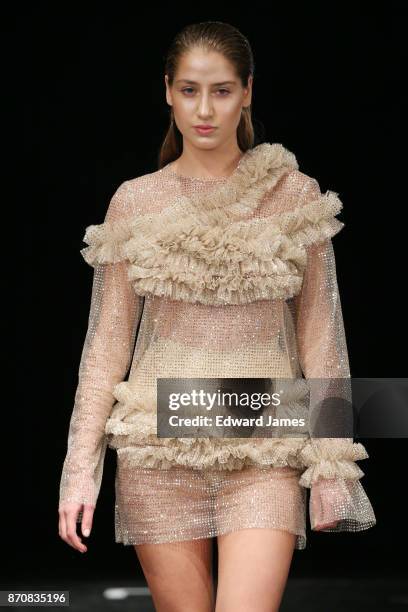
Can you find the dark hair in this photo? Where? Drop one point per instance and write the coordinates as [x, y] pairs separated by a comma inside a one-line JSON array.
[[223, 38]]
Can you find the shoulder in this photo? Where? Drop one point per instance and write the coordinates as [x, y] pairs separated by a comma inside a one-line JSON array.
[[133, 196], [144, 182], [302, 185], [311, 199], [127, 198], [130, 200], [292, 191], [305, 213], [119, 202]]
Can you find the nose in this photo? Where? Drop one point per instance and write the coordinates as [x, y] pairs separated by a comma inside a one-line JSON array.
[[204, 106]]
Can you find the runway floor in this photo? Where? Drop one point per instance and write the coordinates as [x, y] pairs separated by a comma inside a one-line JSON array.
[[301, 594]]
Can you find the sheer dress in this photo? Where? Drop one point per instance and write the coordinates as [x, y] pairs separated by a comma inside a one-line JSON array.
[[230, 277]]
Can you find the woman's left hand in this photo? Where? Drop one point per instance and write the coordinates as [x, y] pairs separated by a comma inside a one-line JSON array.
[[325, 498], [325, 525]]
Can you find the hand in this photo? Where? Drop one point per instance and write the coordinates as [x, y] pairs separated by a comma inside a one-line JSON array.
[[325, 525], [326, 495], [68, 514]]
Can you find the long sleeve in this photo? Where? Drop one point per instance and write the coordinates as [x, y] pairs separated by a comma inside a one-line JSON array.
[[114, 313], [331, 470]]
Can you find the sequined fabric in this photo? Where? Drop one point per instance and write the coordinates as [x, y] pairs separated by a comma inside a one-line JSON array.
[[184, 504], [222, 277]]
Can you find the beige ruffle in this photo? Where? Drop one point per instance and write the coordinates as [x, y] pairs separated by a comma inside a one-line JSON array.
[[331, 458], [106, 241], [213, 454], [199, 250], [235, 264], [132, 431]]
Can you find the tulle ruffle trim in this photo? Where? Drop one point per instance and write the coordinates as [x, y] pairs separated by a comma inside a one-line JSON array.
[[199, 250], [132, 431], [213, 454], [235, 264], [331, 458]]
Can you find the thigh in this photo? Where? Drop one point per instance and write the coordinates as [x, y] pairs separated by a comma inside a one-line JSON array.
[[253, 497], [179, 574], [253, 567]]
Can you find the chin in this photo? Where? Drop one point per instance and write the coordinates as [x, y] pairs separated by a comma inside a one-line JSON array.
[[205, 144]]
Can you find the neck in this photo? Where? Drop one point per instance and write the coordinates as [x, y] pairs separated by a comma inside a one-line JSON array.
[[208, 163]]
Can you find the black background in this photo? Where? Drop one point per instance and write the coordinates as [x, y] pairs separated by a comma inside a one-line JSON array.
[[90, 97]]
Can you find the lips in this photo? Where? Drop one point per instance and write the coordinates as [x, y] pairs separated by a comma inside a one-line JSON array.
[[204, 130]]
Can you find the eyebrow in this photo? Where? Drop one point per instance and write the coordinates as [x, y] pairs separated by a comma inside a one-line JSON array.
[[195, 82]]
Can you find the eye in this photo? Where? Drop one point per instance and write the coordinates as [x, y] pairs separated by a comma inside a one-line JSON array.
[[186, 89]]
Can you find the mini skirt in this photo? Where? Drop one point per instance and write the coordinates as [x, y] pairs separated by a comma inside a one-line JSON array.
[[183, 503]]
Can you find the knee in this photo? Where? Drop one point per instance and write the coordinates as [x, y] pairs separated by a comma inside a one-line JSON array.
[[180, 607], [165, 603]]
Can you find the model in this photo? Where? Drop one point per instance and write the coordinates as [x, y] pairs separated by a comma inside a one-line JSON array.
[[223, 259]]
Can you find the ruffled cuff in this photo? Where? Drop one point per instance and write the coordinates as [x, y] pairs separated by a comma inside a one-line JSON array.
[[331, 458], [340, 505]]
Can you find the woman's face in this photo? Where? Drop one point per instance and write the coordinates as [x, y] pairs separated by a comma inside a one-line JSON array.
[[206, 90]]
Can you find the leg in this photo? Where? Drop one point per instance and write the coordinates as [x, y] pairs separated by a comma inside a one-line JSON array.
[[179, 575], [253, 566]]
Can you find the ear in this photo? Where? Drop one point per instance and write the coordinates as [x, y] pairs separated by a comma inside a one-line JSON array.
[[248, 92], [169, 97]]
